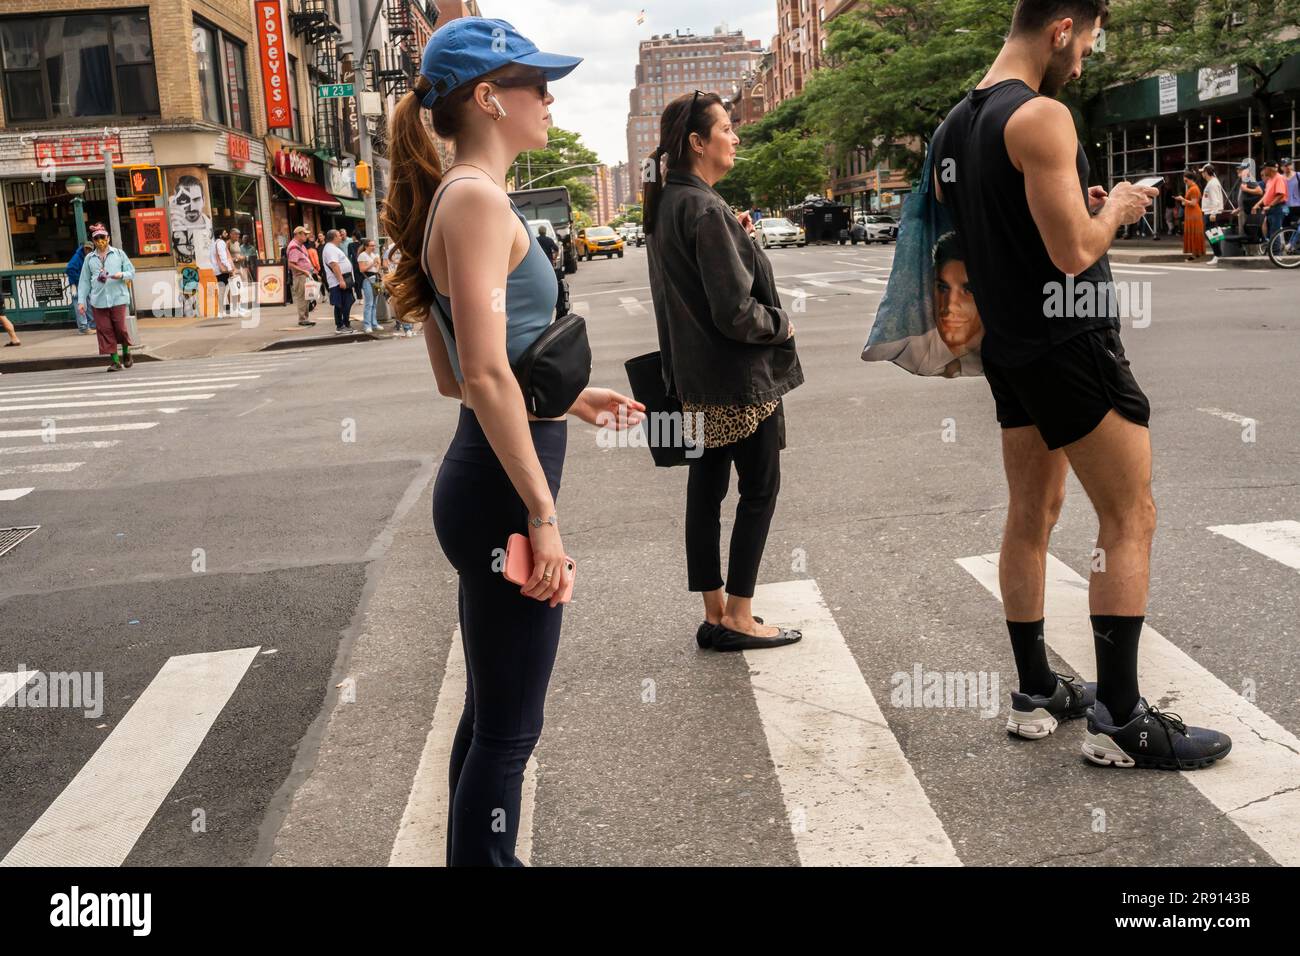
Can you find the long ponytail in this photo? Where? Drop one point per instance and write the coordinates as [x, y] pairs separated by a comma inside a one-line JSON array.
[[416, 172]]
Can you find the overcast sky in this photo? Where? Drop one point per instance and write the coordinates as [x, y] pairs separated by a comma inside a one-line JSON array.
[[593, 99]]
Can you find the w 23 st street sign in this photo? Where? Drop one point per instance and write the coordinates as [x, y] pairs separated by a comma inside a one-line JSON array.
[[334, 91]]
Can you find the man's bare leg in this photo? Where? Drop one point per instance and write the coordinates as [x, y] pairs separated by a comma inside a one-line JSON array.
[[1113, 462], [1036, 491]]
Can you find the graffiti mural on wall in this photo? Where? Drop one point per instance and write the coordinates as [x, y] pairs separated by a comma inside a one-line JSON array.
[[191, 232]]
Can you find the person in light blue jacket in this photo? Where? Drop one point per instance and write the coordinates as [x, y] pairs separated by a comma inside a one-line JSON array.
[[104, 277]]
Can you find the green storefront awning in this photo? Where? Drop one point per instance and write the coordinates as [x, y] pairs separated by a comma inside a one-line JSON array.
[[352, 207]]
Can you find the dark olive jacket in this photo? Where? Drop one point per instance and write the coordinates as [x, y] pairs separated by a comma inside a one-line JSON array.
[[723, 335]]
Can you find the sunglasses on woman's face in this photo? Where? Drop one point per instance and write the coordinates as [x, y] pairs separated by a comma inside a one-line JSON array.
[[524, 82]]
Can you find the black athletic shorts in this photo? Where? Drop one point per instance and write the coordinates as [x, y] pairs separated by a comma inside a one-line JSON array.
[[1067, 392]]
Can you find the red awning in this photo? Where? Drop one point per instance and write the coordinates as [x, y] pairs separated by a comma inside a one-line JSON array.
[[306, 192]]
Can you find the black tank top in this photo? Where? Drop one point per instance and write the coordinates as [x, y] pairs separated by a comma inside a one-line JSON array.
[[1006, 260]]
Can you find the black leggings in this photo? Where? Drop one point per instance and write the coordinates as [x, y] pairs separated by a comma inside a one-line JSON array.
[[758, 470], [509, 640]]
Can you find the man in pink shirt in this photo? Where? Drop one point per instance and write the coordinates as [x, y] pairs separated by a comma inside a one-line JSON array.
[[300, 269], [1273, 202]]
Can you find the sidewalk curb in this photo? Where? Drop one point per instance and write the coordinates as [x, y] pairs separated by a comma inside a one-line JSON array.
[[54, 363], [1127, 258], [1245, 262], [313, 340]]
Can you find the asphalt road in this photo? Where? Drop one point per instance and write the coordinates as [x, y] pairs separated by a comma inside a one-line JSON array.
[[256, 578]]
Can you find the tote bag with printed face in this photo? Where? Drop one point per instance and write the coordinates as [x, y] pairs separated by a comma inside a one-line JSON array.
[[927, 322]]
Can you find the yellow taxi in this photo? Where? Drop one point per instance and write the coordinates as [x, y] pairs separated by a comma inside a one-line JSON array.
[[599, 241]]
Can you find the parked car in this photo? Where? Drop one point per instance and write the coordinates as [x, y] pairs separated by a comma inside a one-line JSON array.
[[879, 228], [599, 241], [778, 231]]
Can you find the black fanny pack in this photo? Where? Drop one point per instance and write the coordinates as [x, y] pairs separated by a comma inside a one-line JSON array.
[[554, 370]]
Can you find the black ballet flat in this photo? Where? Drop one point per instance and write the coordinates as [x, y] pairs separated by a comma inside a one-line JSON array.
[[725, 639], [704, 634]]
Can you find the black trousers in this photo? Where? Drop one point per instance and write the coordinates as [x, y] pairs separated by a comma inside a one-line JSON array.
[[509, 640], [758, 470]]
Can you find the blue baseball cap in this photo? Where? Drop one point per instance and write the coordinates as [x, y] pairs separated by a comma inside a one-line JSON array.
[[468, 47]]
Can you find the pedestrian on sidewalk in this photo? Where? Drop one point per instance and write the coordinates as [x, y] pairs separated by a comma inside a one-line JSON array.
[[239, 275], [1273, 203], [1214, 203], [392, 256], [1064, 391], [1193, 223], [103, 283], [340, 278], [300, 269], [728, 355], [313, 247], [486, 87], [8, 326], [368, 269], [1292, 191], [224, 266], [84, 325], [1244, 193]]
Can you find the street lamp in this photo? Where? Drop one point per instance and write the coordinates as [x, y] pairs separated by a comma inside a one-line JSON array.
[[75, 186]]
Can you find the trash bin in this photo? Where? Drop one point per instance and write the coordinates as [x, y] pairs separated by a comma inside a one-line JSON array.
[[1231, 244]]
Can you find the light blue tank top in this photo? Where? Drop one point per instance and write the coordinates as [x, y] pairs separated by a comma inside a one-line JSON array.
[[531, 291]]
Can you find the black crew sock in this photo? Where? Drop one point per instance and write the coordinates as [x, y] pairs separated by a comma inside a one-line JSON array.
[[1115, 640], [1030, 650]]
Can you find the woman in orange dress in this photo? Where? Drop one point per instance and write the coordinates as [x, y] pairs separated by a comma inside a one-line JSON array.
[[1193, 221]]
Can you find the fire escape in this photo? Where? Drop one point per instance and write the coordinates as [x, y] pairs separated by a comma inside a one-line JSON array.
[[317, 22]]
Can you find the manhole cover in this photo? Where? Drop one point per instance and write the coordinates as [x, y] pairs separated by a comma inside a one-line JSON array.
[[10, 538]]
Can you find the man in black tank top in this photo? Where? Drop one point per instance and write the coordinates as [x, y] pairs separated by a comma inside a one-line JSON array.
[[1009, 168]]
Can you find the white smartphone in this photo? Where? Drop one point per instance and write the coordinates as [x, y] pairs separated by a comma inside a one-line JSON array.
[[1149, 182]]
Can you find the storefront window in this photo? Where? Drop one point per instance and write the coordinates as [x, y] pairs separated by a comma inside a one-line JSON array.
[[62, 67], [205, 47], [234, 204], [41, 224], [223, 77]]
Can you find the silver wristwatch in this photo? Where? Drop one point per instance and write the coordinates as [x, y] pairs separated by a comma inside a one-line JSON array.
[[538, 522]]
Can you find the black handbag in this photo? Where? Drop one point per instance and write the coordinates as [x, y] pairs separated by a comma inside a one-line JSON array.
[[554, 369], [663, 412]]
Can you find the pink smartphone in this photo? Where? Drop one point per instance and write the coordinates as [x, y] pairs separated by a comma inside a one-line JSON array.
[[519, 565]]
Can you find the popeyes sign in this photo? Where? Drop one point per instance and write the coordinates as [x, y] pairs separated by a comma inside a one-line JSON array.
[[290, 162], [275, 75]]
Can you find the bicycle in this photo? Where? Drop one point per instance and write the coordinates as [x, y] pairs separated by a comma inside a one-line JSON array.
[[1284, 248]]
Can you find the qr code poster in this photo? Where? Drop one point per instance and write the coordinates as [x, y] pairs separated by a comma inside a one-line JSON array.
[[151, 232]]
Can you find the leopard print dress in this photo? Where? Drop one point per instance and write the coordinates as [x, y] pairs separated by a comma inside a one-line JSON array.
[[724, 424]]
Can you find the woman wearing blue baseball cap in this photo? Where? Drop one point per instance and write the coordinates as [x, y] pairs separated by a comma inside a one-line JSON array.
[[470, 263]]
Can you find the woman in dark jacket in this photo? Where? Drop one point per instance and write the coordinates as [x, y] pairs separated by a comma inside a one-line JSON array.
[[728, 354]]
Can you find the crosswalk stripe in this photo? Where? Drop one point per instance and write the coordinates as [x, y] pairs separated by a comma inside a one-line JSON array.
[[1279, 540], [11, 682], [100, 815], [80, 416], [55, 446], [422, 834], [43, 468], [115, 401], [75, 430], [13, 494], [631, 306], [106, 388], [1255, 786], [841, 286], [851, 796]]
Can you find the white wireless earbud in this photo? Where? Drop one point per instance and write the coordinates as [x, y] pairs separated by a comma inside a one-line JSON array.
[[497, 103]]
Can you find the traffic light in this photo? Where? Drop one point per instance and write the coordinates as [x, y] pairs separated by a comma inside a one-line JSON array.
[[363, 177]]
